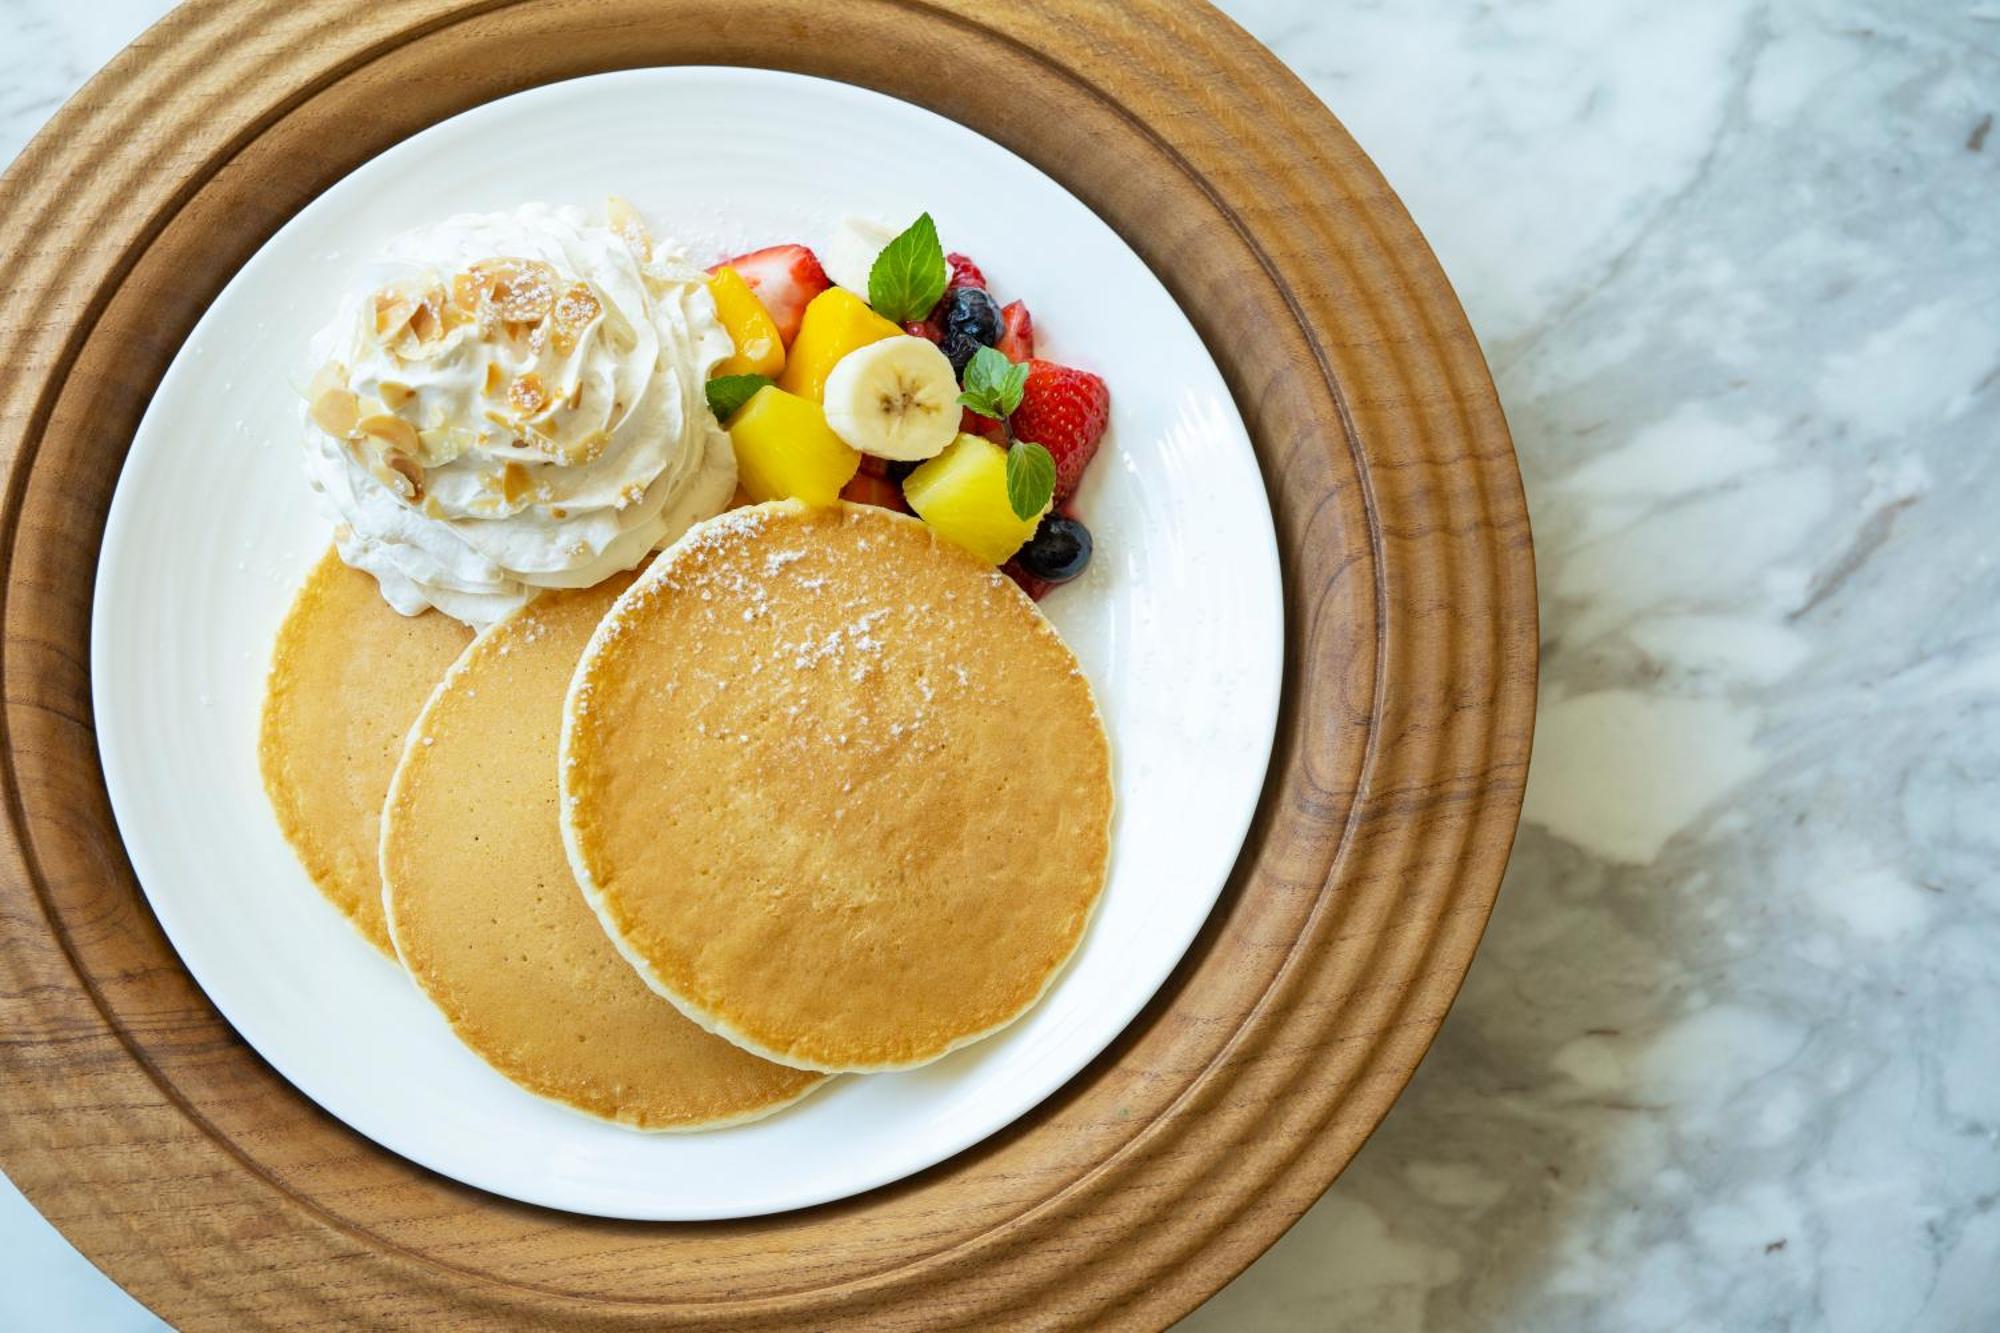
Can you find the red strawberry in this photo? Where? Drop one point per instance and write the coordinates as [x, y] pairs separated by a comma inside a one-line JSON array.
[[971, 423], [964, 273], [872, 490], [873, 466], [1065, 412], [784, 277], [1017, 335], [928, 329]]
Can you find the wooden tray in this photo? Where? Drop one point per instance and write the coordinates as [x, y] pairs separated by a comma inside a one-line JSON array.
[[145, 1129]]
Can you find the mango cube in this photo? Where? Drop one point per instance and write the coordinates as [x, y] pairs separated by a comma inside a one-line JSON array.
[[785, 450], [759, 349], [962, 493], [835, 323]]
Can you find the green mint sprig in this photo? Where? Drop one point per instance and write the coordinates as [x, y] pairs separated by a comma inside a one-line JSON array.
[[993, 388], [1031, 478], [909, 275], [728, 393], [993, 384]]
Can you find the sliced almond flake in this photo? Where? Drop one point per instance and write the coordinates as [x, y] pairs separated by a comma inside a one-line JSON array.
[[393, 431], [335, 411], [514, 483], [527, 396], [631, 228], [575, 311]]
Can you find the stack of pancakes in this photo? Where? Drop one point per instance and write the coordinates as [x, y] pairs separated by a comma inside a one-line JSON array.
[[816, 793]]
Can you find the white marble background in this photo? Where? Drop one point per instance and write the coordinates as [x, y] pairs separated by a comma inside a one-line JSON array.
[[1728, 1059]]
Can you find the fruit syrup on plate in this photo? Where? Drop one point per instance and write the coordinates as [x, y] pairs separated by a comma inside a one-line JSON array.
[[923, 396]]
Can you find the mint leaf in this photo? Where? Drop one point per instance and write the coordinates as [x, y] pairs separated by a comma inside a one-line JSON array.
[[727, 393], [1031, 479], [993, 384], [909, 275]]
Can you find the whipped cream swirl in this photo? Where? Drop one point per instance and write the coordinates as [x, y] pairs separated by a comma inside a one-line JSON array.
[[514, 401]]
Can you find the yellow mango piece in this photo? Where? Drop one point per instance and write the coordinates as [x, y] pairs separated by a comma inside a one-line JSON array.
[[759, 349], [835, 323], [962, 493], [786, 451]]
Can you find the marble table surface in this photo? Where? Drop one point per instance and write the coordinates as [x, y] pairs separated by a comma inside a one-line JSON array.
[[1728, 1057]]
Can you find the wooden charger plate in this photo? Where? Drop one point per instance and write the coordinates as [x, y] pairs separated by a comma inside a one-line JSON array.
[[139, 1123]]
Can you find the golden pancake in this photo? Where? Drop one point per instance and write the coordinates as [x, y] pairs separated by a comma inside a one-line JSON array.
[[835, 787], [348, 676], [486, 915]]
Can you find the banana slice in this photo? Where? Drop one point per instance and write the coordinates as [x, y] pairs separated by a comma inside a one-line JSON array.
[[850, 253], [896, 399]]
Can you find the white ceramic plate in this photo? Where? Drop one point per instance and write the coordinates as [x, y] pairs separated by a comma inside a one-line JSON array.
[[1178, 623]]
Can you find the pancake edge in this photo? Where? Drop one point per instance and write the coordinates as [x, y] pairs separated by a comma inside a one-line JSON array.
[[298, 832], [594, 894], [411, 744]]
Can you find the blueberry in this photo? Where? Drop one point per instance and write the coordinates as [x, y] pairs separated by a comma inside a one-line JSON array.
[[970, 311], [899, 469], [959, 350], [971, 321], [1059, 550]]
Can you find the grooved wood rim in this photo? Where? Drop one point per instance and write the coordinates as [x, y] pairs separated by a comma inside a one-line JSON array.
[[144, 1128]]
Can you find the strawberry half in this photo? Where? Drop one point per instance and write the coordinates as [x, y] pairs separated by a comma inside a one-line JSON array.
[[1017, 333], [784, 277], [964, 273], [971, 423], [1065, 411]]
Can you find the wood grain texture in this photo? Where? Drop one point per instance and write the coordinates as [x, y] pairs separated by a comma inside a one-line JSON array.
[[159, 1143]]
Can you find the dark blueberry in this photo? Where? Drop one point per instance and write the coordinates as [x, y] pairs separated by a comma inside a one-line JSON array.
[[959, 350], [970, 320], [1059, 550], [970, 311], [899, 469]]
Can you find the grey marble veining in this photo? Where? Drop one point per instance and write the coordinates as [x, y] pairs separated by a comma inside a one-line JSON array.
[[1728, 1058]]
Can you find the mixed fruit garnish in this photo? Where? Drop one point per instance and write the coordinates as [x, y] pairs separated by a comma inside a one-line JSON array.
[[922, 395]]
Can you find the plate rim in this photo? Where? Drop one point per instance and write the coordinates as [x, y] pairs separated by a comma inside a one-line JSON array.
[[179, 919], [1432, 493]]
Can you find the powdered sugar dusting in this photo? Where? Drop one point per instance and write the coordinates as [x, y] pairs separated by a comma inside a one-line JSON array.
[[859, 677]]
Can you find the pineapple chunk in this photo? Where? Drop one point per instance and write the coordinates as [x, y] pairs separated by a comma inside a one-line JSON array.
[[759, 350], [963, 494], [785, 450], [835, 323]]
